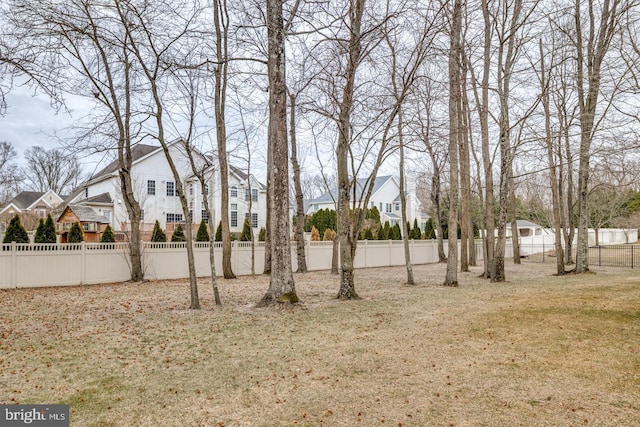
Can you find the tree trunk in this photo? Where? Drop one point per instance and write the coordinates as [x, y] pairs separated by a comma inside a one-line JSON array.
[[451, 278], [220, 78], [299, 230], [281, 286], [437, 211], [599, 41], [345, 231], [487, 162], [556, 187], [335, 256], [403, 206], [513, 219]]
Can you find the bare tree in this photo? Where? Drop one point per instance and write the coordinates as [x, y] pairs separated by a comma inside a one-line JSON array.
[[9, 172], [84, 51], [51, 169], [221, 27], [603, 21], [154, 48], [451, 278], [281, 286], [300, 216]]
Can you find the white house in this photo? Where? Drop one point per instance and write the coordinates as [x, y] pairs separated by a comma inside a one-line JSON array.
[[156, 191], [385, 196]]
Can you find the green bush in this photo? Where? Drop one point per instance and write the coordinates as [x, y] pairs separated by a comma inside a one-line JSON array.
[[373, 214], [39, 232], [15, 232], [203, 233], [158, 235], [262, 234], [107, 235], [382, 233], [178, 234], [245, 235], [219, 232], [368, 234], [429, 231], [395, 234], [75, 234]]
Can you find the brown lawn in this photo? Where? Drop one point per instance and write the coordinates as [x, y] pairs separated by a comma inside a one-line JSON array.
[[538, 350]]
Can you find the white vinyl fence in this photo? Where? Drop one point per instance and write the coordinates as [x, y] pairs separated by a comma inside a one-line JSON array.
[[37, 265]]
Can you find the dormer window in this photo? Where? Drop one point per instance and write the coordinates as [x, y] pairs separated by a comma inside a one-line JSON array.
[[234, 191]]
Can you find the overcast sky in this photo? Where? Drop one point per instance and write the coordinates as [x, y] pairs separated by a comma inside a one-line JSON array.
[[30, 120]]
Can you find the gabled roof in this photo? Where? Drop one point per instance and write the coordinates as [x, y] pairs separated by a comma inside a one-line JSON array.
[[84, 214], [24, 199], [331, 196], [138, 151]]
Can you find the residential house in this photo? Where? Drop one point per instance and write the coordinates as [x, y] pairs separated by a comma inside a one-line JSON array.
[[38, 203], [92, 223], [385, 196], [156, 191]]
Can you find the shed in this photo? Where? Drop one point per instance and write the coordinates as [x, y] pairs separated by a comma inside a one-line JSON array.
[[91, 222]]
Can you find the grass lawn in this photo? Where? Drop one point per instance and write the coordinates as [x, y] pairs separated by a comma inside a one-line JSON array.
[[538, 350]]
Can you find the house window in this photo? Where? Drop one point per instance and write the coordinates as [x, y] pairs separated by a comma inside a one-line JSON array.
[[380, 209], [397, 206], [254, 220], [206, 189], [171, 188], [107, 214], [372, 205], [234, 214], [190, 216], [234, 191], [171, 218], [388, 208], [109, 217], [151, 187], [86, 192], [254, 195], [205, 216], [191, 189], [85, 226]]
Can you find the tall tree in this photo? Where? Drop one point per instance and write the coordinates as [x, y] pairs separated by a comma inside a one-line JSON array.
[[281, 284], [603, 21], [51, 169], [154, 47], [451, 278], [83, 50], [221, 27]]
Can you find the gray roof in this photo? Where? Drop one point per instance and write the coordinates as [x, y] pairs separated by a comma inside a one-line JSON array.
[[24, 199], [331, 196], [86, 214], [100, 198]]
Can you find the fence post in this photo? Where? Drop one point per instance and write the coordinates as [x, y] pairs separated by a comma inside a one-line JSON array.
[[14, 265], [631, 256], [83, 262], [366, 250], [599, 256]]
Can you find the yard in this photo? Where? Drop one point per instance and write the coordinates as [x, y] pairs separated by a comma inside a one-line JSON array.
[[538, 350]]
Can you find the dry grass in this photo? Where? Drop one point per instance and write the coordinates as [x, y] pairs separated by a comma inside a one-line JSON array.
[[538, 350]]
